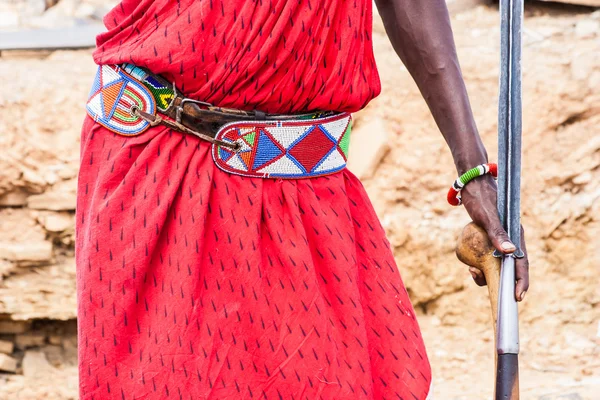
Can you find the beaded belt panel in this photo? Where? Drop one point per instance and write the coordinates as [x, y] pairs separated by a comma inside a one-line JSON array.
[[285, 149], [113, 94], [292, 149]]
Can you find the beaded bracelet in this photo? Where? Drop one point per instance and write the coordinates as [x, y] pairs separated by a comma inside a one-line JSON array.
[[453, 193]]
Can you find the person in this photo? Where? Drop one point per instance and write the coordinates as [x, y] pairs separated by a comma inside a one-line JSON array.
[[224, 257]]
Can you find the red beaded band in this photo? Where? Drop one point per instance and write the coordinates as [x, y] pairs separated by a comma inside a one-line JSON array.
[[453, 194]]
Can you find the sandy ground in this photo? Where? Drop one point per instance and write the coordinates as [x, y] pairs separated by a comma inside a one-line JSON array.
[[41, 99]]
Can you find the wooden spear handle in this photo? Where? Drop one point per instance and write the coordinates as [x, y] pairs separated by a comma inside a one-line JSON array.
[[474, 249]]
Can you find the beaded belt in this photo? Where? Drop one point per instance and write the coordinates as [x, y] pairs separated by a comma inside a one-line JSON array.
[[128, 100]]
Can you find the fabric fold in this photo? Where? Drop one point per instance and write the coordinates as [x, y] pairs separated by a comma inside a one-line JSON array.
[[196, 282]]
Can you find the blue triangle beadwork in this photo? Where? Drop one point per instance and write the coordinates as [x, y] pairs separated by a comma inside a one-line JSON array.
[[266, 151], [224, 153]]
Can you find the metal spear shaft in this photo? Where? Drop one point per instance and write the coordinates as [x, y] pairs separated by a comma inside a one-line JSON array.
[[509, 198]]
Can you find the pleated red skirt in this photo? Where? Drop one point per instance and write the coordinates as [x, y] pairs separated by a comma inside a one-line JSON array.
[[197, 284]]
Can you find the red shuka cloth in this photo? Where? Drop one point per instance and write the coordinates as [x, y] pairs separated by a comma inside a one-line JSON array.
[[196, 284], [273, 55]]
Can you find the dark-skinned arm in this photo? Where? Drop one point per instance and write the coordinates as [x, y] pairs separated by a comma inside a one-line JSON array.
[[421, 35]]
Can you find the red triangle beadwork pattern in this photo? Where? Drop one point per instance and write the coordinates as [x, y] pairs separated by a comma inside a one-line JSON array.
[[312, 148]]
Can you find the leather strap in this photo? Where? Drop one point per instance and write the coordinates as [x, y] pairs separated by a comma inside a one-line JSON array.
[[155, 120], [196, 117]]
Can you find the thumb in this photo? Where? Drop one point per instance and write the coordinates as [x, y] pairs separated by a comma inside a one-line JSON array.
[[498, 236]]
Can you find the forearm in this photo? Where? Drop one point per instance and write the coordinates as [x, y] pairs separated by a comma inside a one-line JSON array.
[[421, 34]]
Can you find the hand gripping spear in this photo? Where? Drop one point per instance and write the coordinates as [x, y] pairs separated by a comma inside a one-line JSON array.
[[474, 247]]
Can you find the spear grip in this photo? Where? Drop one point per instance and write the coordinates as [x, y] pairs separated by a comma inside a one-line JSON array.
[[475, 249]]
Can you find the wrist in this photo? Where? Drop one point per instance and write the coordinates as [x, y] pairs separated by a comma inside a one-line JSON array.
[[465, 159]]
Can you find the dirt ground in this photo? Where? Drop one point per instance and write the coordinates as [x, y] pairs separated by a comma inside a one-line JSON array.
[[41, 110]]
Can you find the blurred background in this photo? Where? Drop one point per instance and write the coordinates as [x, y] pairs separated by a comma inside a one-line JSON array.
[[46, 71]]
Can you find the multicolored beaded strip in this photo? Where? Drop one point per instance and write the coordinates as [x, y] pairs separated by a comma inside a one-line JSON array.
[[453, 193], [291, 149]]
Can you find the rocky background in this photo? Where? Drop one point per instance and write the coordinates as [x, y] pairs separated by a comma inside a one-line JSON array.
[[406, 167]]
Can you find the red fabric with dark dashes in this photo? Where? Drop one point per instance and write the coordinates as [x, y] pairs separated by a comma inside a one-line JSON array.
[[272, 55], [197, 284]]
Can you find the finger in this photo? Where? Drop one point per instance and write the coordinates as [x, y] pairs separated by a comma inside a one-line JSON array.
[[498, 235], [522, 271], [478, 276]]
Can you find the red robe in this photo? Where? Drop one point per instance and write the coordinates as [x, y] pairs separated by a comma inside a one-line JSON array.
[[197, 284], [279, 55]]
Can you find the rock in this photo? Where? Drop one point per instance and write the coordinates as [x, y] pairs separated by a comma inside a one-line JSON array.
[[12, 327], [578, 342], [6, 347], [583, 178], [61, 197], [594, 79], [70, 346], [16, 198], [368, 144], [55, 340], [28, 340], [56, 222], [54, 355], [7, 268], [36, 252], [398, 235], [7, 363], [587, 28], [35, 181], [53, 201], [582, 67], [47, 292], [70, 342], [36, 364]]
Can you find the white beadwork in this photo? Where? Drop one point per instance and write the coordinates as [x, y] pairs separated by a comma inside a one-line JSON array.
[[286, 135], [283, 166], [236, 163], [336, 128], [332, 161], [96, 107], [109, 75]]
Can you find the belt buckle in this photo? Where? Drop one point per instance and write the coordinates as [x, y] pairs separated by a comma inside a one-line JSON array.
[[155, 119], [184, 100]]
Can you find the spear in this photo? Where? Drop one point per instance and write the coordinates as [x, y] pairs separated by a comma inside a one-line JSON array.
[[509, 195], [473, 247]]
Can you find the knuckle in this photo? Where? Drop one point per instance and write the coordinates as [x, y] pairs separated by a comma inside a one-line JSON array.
[[499, 232]]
